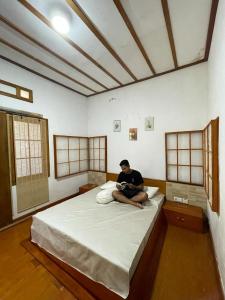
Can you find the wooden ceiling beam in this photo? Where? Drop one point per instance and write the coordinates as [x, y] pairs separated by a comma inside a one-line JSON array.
[[132, 31], [169, 30], [17, 29], [211, 27], [40, 75], [43, 63], [67, 39], [87, 21]]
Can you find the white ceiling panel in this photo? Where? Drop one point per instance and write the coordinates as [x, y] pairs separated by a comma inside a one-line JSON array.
[[148, 20], [30, 24], [19, 41], [190, 21], [81, 35], [106, 17], [29, 63]]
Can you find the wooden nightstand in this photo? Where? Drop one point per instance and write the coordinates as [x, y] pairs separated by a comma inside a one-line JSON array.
[[86, 187], [184, 215]]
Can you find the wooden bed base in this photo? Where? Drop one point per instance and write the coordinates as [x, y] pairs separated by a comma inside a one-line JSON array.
[[143, 278]]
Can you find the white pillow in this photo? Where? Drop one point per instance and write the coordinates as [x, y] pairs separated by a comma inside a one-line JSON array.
[[105, 196], [108, 185], [151, 191]]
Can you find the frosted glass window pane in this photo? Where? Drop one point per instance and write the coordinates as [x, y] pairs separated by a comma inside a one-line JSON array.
[[197, 175], [91, 143], [73, 155], [62, 156], [196, 157], [83, 154], [184, 174], [172, 157], [196, 140], [102, 153], [102, 165], [83, 143], [73, 143], [7, 89], [35, 149], [74, 167], [96, 153], [63, 169], [34, 131], [184, 157], [91, 166], [96, 143], [172, 173], [171, 141], [36, 166], [61, 143], [91, 155], [96, 165], [22, 149], [24, 94], [210, 144], [183, 141], [102, 142], [210, 163], [22, 167], [84, 165]]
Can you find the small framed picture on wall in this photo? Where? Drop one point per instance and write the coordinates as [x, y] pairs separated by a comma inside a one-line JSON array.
[[149, 123], [117, 125]]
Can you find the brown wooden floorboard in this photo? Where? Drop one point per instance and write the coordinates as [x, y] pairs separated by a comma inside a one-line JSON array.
[[186, 271]]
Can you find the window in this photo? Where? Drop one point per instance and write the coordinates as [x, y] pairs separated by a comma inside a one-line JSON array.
[[71, 155], [211, 171], [97, 153], [28, 144], [15, 91], [74, 155], [184, 157]]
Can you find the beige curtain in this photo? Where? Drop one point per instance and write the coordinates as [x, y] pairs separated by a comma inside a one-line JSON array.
[[31, 161]]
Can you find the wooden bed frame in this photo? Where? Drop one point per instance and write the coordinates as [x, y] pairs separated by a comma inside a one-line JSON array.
[[143, 279]]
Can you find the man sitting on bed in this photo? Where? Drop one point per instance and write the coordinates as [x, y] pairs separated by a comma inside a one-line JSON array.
[[133, 192]]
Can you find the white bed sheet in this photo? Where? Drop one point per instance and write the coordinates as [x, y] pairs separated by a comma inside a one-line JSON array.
[[102, 241]]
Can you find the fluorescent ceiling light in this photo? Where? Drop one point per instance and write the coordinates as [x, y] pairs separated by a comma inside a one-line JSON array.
[[60, 24]]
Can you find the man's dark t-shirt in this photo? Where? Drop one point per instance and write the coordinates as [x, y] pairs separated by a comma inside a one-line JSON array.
[[135, 178]]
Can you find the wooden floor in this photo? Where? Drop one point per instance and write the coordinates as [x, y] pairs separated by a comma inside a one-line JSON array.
[[187, 269]]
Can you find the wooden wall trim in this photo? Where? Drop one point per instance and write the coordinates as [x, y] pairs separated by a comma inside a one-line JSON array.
[[147, 181], [211, 27], [166, 13], [133, 33], [92, 27], [5, 181], [67, 39], [10, 24]]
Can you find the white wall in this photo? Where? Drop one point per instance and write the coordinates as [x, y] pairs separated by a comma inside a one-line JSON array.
[[66, 112], [216, 68], [177, 101]]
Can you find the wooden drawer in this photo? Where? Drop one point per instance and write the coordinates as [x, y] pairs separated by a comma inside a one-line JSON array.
[[187, 216], [87, 187]]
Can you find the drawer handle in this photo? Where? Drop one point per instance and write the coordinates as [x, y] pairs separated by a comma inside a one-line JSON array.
[[178, 218], [182, 219]]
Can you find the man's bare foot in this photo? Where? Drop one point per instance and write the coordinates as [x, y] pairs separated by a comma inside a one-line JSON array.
[[138, 204]]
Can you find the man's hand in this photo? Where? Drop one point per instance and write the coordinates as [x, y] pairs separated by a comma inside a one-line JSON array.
[[119, 187], [131, 186]]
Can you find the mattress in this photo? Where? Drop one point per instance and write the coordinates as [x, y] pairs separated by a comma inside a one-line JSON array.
[[102, 241]]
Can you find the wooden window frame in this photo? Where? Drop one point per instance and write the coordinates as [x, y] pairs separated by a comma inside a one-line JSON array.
[[18, 91], [212, 144], [105, 169], [177, 149], [88, 156]]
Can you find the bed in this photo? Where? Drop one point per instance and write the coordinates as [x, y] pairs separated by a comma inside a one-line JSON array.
[[103, 245]]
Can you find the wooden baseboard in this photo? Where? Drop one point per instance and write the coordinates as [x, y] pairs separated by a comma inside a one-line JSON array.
[[216, 263]]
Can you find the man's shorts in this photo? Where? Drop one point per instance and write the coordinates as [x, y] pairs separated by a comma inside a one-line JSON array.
[[129, 193]]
